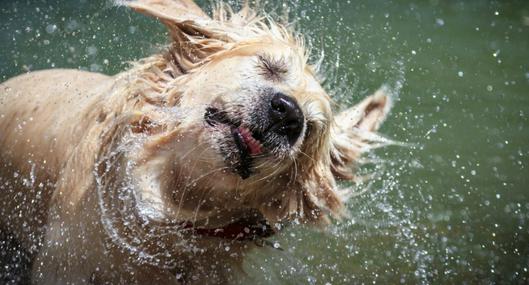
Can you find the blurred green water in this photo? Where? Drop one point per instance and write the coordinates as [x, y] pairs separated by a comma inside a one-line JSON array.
[[451, 208]]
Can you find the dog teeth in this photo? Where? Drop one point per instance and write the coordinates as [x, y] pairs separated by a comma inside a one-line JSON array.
[[254, 145]]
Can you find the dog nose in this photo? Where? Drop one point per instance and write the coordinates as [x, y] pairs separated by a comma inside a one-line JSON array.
[[286, 117]]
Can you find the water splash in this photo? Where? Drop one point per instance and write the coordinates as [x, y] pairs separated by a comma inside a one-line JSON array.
[[129, 228]]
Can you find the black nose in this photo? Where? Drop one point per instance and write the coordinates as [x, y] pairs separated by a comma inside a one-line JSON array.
[[286, 117]]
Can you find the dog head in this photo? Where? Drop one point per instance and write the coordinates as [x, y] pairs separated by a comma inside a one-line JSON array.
[[234, 121]]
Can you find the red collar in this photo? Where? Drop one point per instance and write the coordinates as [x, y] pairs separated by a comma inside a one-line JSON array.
[[239, 231]]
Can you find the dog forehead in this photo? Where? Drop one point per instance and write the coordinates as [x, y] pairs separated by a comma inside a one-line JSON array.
[[290, 54], [241, 63]]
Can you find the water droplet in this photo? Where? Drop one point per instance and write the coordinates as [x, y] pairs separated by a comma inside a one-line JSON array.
[[51, 28], [91, 50]]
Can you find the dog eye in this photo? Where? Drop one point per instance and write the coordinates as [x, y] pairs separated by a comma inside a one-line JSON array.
[[271, 68], [309, 129]]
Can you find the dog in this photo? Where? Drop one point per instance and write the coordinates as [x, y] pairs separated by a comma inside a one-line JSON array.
[[171, 171]]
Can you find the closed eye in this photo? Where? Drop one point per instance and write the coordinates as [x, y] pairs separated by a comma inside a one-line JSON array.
[[272, 68], [309, 129]]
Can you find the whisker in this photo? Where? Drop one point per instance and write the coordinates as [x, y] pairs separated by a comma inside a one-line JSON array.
[[270, 175], [199, 204], [184, 190], [206, 174], [295, 169], [310, 157]]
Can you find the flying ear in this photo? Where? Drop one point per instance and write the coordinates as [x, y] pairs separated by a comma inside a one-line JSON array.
[[367, 115], [354, 133], [196, 36], [169, 10]]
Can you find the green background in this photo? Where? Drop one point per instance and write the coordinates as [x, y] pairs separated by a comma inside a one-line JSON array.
[[450, 207]]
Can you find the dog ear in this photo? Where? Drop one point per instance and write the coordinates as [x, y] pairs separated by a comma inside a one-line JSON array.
[[192, 41], [354, 133], [169, 10], [195, 36]]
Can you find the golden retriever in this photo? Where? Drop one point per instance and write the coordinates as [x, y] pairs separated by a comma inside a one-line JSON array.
[[171, 171]]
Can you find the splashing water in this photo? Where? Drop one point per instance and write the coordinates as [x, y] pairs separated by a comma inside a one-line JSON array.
[[450, 206]]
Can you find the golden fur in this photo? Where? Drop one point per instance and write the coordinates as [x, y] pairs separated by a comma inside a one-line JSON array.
[[99, 173]]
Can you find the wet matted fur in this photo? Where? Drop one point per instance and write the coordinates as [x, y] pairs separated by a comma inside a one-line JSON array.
[[172, 170]]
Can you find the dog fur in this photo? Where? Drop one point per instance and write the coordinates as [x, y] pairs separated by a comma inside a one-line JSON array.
[[119, 179]]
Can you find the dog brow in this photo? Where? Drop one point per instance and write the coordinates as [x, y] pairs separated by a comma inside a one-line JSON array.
[[272, 68]]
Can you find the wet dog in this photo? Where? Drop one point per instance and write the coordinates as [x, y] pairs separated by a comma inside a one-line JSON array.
[[171, 171]]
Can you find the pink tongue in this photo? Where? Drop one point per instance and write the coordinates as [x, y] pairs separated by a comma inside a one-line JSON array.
[[253, 145]]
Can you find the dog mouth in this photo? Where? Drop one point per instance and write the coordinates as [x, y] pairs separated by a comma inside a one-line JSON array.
[[246, 143]]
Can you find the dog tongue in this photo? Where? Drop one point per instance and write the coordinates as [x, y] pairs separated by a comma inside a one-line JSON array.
[[254, 145]]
